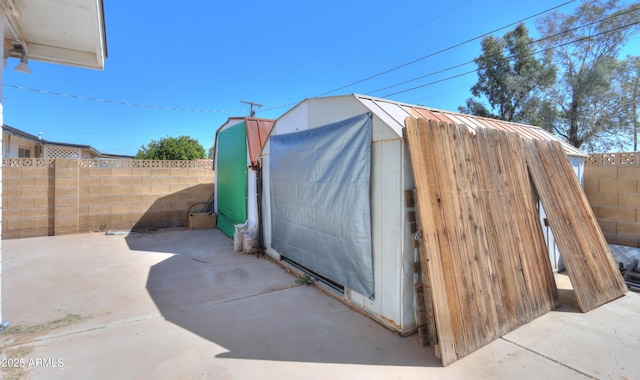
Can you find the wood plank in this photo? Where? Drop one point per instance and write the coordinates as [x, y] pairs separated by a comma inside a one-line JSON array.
[[481, 240], [503, 291], [431, 333], [430, 257], [543, 278], [470, 220], [629, 271], [408, 199], [451, 229], [606, 265], [421, 317], [593, 272]]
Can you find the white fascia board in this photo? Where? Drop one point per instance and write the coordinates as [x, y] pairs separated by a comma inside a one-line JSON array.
[[52, 54]]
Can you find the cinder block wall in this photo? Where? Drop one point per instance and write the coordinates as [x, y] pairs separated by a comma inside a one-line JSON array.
[[27, 200], [45, 197], [612, 185]]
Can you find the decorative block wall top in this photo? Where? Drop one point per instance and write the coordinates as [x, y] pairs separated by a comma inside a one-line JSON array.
[[108, 164], [98, 163], [29, 162], [625, 158]]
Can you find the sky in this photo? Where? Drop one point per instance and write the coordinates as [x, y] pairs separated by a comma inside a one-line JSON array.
[[184, 68]]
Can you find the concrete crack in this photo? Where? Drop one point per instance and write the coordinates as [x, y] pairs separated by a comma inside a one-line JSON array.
[[615, 354], [138, 319], [550, 359], [211, 304]]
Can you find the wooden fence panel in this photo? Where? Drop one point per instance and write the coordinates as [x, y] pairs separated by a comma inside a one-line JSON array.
[[482, 244], [593, 272]]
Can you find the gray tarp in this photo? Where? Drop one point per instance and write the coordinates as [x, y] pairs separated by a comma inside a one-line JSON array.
[[320, 200]]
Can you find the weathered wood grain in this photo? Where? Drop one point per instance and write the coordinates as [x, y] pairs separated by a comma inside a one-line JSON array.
[[593, 272], [482, 246]]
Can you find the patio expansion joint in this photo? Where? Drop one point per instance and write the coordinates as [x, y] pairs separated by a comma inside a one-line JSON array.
[[549, 358], [213, 304], [145, 318], [53, 336]]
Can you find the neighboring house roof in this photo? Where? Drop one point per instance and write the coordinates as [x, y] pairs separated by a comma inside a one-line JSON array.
[[17, 132], [70, 32]]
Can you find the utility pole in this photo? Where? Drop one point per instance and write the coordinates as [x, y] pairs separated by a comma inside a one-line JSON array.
[[252, 112]]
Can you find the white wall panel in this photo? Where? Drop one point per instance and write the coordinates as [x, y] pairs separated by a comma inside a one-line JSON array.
[[393, 252]]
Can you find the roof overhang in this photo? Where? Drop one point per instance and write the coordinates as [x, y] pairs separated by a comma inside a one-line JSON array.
[[68, 32]]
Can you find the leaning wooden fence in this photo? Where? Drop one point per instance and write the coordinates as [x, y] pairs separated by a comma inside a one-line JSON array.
[[483, 255]]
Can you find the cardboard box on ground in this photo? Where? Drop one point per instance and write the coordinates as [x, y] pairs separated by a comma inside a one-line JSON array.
[[202, 220]]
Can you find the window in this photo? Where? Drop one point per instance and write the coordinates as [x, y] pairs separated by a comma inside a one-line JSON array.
[[24, 152]]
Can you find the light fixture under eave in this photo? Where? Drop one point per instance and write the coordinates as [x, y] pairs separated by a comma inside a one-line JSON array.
[[24, 64]]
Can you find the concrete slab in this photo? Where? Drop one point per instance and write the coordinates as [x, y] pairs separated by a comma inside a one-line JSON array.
[[603, 343], [180, 304]]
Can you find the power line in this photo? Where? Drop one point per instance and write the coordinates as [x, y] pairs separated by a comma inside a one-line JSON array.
[[351, 84], [466, 86], [443, 50], [432, 83], [280, 106], [534, 42], [538, 52], [422, 77], [120, 103], [128, 104], [425, 57], [469, 62]]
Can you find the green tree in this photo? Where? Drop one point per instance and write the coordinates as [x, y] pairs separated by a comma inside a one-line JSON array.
[[171, 148], [475, 107], [510, 77], [629, 79], [605, 109], [585, 47]]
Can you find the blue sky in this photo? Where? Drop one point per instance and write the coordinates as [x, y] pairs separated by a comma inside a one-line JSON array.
[[208, 56]]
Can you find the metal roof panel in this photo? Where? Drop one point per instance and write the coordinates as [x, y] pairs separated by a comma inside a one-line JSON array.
[[375, 107]]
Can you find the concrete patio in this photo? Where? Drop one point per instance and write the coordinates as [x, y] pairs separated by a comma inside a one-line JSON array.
[[180, 304]]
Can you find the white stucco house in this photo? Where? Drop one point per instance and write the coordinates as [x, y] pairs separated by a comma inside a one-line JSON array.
[[20, 144]]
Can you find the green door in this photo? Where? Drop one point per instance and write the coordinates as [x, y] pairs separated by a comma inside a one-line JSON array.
[[232, 178]]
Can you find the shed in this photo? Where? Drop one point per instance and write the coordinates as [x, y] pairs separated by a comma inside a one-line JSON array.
[[236, 149], [318, 141]]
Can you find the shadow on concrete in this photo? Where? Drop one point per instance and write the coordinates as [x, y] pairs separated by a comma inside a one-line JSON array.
[[568, 303], [566, 294], [172, 210], [198, 245], [253, 308]]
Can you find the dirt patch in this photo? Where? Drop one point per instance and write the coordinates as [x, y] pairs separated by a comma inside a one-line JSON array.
[[14, 363], [39, 329], [13, 344]]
